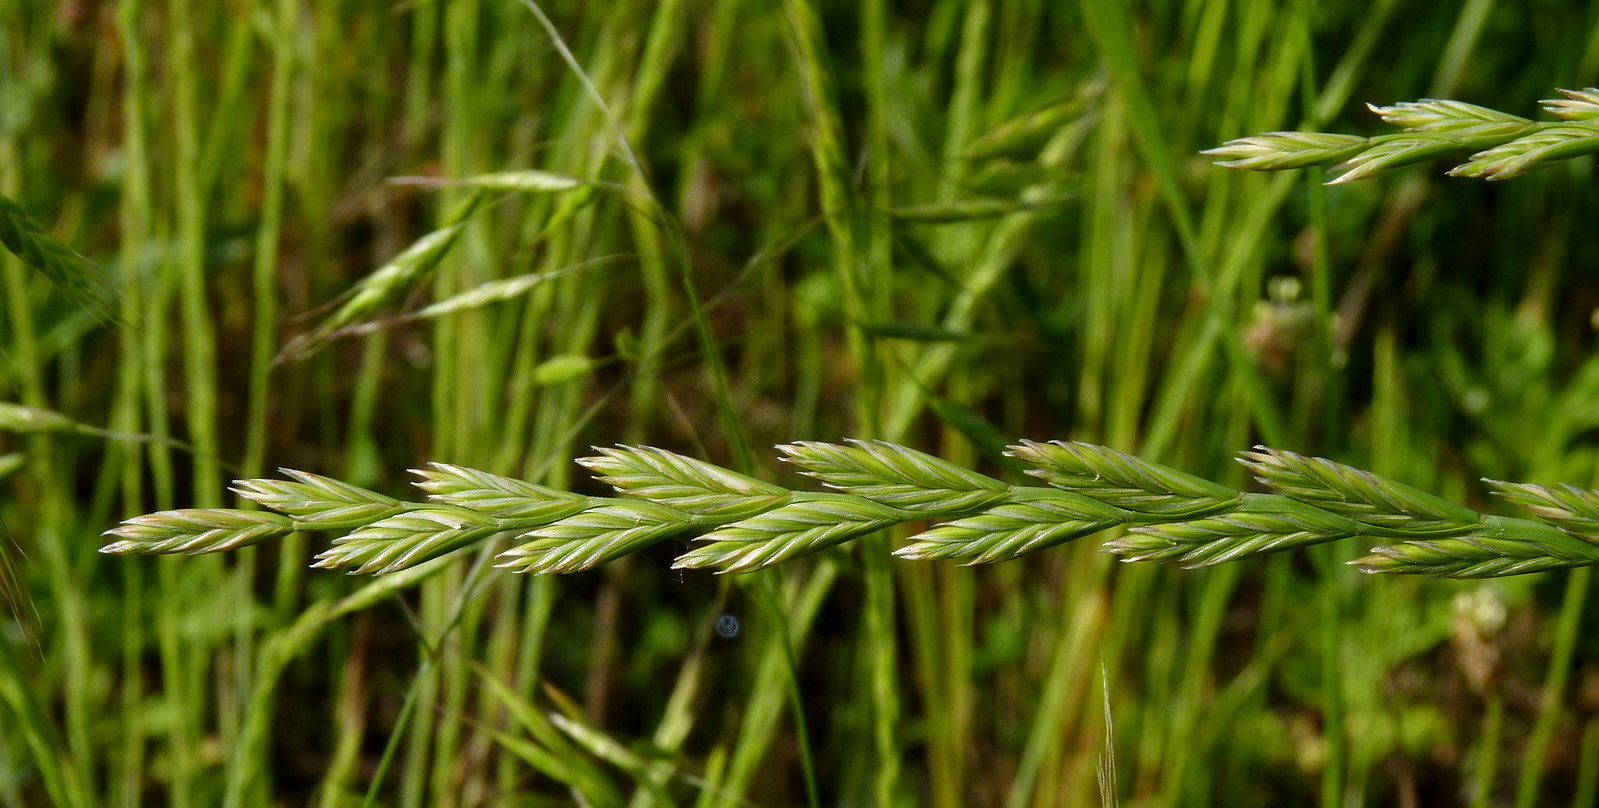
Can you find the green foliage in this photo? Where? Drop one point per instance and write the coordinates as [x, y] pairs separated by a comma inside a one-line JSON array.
[[350, 239]]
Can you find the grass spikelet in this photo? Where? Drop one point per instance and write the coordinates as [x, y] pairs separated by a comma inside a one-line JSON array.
[[1538, 150], [1505, 546], [1122, 480], [319, 503], [894, 475], [528, 181], [1279, 151], [408, 539], [501, 497], [1568, 507], [386, 284], [684, 483], [791, 531], [593, 537], [1392, 152], [1262, 524], [1008, 531], [1358, 495], [1578, 105], [195, 531], [34, 421], [1450, 117]]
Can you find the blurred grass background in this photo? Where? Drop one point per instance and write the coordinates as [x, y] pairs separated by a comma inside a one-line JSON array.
[[948, 223]]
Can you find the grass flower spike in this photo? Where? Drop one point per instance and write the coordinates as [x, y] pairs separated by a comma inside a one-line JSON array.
[[741, 524], [1500, 145]]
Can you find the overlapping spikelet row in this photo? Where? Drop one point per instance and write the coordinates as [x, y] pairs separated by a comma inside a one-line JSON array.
[[1500, 145], [743, 524]]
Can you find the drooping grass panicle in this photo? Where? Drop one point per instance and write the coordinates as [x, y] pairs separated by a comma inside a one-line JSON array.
[[67, 271], [386, 284], [1119, 479], [501, 497], [690, 485], [594, 536], [319, 503], [1358, 495], [895, 475], [195, 530], [408, 539]]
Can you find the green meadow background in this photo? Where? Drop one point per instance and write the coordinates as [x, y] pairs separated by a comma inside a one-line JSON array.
[[945, 223]]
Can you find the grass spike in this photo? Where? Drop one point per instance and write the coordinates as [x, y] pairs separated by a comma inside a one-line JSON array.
[[195, 531], [747, 524]]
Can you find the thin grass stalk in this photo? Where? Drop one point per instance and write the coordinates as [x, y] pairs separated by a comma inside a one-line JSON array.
[[1552, 697], [1110, 28], [54, 509]]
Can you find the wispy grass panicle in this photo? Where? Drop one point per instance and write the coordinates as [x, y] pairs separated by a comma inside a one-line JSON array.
[[64, 269]]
